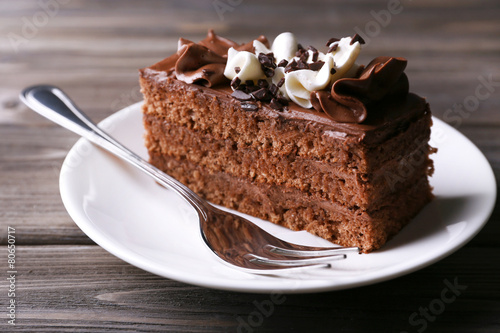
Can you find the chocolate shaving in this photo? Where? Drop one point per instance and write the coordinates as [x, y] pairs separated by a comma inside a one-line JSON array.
[[300, 53], [332, 40], [282, 99], [262, 95], [357, 38], [249, 106], [267, 60], [316, 66], [273, 89], [296, 65], [268, 72], [275, 104], [312, 48], [267, 63], [241, 95], [315, 56], [235, 83], [315, 53], [333, 71], [302, 64], [262, 83], [263, 91], [334, 47], [278, 102], [237, 70], [283, 63], [251, 89], [281, 82], [292, 66], [304, 56], [248, 88]]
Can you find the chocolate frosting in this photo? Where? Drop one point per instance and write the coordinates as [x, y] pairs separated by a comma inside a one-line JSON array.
[[199, 64], [204, 62], [349, 98], [356, 101]]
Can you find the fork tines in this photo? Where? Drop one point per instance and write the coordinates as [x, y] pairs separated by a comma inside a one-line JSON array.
[[284, 257]]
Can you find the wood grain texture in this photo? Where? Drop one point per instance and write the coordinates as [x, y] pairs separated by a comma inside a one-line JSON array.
[[87, 289], [93, 49]]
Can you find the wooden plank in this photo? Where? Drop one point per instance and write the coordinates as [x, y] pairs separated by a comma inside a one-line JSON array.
[[85, 289]]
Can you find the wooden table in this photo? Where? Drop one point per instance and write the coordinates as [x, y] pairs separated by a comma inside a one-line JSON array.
[[93, 49]]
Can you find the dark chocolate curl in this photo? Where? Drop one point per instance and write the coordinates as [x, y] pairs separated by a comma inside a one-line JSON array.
[[349, 97]]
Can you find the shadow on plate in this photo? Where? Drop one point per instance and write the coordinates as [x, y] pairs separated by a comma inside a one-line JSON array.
[[442, 215]]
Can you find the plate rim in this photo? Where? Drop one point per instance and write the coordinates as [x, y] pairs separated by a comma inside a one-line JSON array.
[[212, 282]]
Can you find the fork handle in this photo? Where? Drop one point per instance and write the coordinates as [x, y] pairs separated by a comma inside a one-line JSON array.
[[52, 103]]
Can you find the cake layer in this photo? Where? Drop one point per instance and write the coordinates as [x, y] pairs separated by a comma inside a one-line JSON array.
[[346, 186], [298, 211]]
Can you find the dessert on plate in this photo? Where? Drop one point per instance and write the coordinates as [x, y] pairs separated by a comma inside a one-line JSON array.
[[311, 140]]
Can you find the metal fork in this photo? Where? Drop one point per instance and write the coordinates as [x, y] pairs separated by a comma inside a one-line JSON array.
[[234, 239]]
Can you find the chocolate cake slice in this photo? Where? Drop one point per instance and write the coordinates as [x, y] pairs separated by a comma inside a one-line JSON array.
[[308, 140]]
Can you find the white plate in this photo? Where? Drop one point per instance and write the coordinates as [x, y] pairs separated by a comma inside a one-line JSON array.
[[132, 217]]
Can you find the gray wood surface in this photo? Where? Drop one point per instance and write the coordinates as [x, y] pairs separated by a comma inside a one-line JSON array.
[[93, 49]]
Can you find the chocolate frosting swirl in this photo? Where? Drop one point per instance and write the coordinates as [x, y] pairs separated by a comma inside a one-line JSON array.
[[204, 62], [199, 64], [349, 98]]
